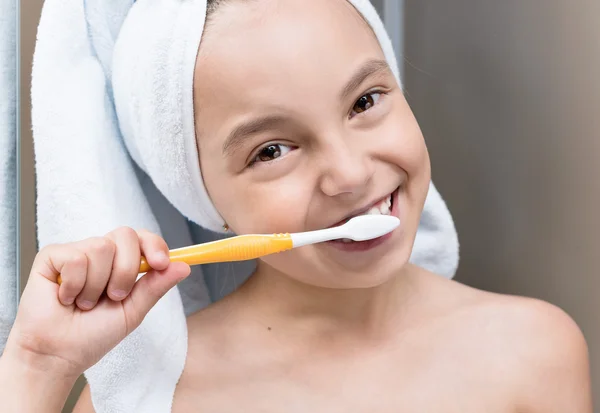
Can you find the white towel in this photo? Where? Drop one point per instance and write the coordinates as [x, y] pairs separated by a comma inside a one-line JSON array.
[[87, 183], [8, 168]]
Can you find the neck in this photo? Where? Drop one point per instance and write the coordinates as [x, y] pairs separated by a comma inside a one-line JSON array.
[[361, 312]]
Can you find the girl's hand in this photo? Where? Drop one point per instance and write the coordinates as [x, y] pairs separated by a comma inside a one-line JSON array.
[[68, 328]]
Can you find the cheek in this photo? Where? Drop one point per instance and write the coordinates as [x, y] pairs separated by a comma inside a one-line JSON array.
[[415, 157], [260, 208], [404, 142]]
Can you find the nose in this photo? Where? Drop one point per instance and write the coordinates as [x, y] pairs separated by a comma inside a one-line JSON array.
[[347, 172]]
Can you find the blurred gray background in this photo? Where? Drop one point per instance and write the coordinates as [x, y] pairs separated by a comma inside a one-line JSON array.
[[507, 95]]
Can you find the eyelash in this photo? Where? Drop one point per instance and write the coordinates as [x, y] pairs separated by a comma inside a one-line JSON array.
[[379, 92], [254, 160]]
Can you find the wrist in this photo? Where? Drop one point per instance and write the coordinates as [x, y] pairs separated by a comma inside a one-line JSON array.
[[34, 363], [39, 367], [29, 385]]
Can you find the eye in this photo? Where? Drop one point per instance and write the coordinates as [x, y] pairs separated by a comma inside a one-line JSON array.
[[365, 103], [271, 152]]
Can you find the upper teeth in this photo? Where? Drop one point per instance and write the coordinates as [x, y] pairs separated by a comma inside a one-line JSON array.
[[382, 208]]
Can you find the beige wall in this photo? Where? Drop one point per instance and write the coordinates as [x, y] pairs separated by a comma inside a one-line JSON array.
[[30, 14], [508, 96]]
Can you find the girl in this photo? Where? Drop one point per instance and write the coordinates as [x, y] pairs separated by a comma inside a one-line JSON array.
[[294, 139]]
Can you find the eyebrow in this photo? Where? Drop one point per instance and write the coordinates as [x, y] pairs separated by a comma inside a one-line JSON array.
[[237, 136], [370, 68]]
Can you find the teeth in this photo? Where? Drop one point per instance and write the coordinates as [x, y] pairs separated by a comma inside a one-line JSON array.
[[383, 208], [375, 211]]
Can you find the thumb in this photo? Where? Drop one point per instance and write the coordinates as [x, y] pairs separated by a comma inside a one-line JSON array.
[[150, 288]]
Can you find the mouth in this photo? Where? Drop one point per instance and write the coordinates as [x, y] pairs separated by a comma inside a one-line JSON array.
[[384, 206]]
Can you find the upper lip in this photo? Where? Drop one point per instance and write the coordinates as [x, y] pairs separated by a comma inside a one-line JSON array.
[[360, 211]]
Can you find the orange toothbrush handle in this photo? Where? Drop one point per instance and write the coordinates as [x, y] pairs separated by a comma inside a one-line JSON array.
[[240, 248]]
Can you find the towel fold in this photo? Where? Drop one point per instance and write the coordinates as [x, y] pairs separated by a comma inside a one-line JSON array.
[[8, 168], [111, 92]]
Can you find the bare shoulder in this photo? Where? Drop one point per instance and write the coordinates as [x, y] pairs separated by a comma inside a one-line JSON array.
[[520, 322], [535, 330], [537, 347], [549, 353]]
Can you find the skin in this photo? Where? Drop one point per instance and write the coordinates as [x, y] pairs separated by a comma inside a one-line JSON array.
[[56, 336], [318, 329]]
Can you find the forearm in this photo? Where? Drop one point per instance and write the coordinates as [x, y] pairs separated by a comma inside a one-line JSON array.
[[28, 389]]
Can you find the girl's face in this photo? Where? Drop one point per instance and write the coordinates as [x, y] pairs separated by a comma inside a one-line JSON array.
[[300, 125]]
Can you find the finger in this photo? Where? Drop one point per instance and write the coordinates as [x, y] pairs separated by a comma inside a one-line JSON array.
[[100, 252], [64, 261], [73, 275], [126, 263], [49, 261], [151, 288], [155, 249]]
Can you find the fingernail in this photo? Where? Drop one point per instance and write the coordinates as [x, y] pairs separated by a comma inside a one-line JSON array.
[[70, 300], [119, 294], [186, 274], [86, 305]]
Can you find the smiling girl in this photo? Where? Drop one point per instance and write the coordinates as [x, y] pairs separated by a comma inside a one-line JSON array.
[[301, 125]]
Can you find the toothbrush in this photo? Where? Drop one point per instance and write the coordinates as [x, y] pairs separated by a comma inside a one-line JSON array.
[[248, 247]]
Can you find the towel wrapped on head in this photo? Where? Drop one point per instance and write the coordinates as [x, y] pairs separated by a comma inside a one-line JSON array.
[[113, 80]]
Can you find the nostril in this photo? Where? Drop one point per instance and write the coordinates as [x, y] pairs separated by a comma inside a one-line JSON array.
[[345, 174]]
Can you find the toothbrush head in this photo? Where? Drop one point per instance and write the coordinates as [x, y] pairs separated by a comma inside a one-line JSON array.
[[367, 227]]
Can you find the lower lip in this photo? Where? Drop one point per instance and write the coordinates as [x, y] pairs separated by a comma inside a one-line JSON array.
[[370, 244]]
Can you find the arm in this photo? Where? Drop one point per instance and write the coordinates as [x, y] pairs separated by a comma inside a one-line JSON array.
[[29, 388]]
